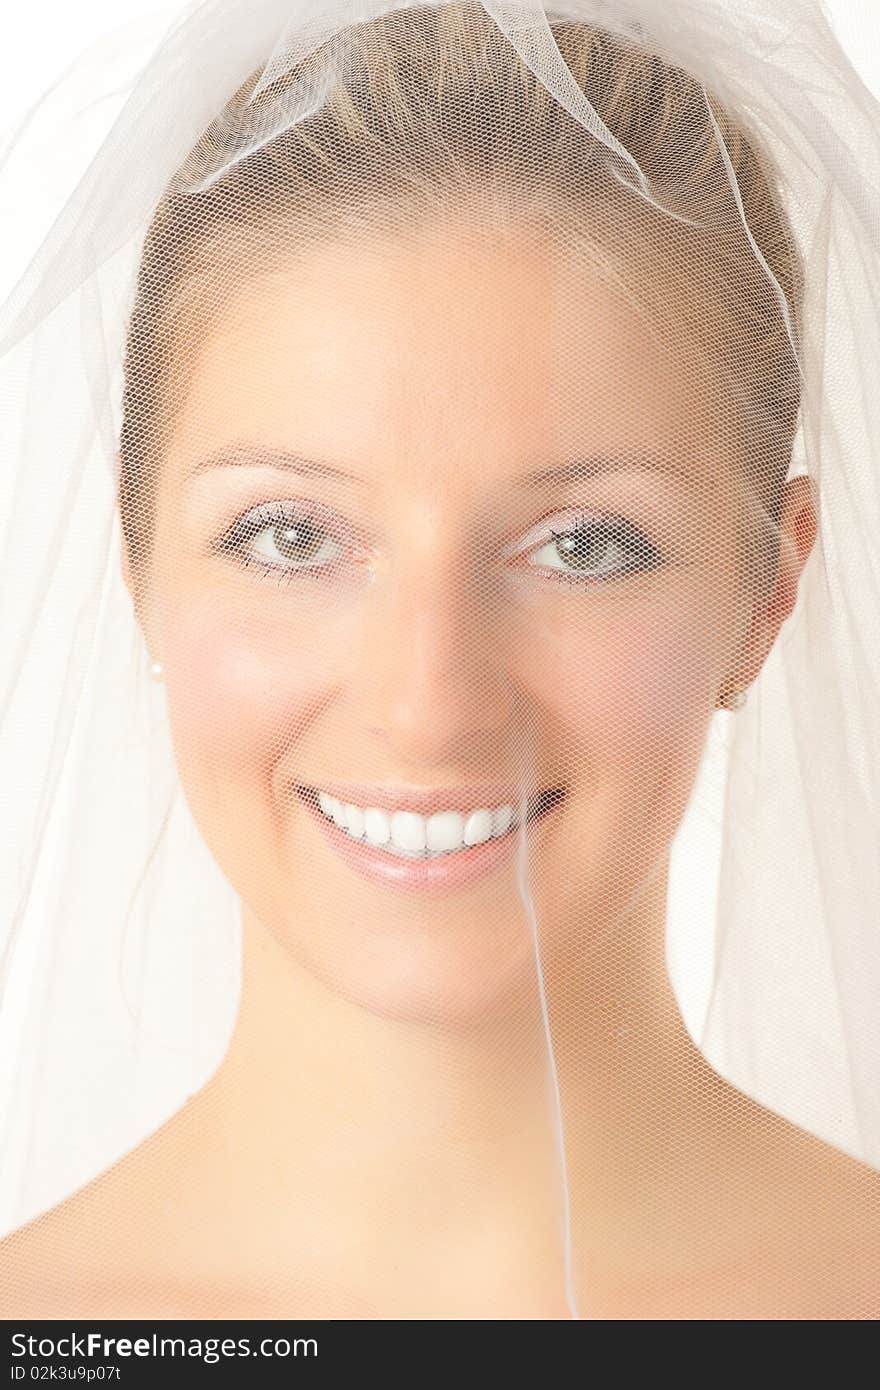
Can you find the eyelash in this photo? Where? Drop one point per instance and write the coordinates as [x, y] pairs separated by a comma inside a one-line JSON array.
[[645, 555], [278, 514]]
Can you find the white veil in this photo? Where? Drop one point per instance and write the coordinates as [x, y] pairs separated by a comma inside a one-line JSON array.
[[121, 927]]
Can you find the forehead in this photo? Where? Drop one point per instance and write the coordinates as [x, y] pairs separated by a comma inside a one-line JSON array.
[[439, 348]]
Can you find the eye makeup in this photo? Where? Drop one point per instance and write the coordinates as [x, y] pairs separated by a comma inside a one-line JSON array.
[[285, 538]]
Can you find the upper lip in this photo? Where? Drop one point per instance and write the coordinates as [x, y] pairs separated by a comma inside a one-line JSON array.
[[427, 800]]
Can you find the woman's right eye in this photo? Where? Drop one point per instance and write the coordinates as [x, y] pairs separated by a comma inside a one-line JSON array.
[[280, 537]]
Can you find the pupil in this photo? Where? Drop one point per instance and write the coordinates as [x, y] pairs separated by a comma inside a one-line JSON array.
[[581, 549], [301, 542]]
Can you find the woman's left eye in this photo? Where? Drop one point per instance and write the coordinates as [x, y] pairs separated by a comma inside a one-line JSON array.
[[597, 548]]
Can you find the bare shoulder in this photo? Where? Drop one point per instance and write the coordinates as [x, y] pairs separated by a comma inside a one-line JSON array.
[[153, 1238], [156, 1236], [852, 1236], [118, 1250], [828, 1229], [103, 1248]]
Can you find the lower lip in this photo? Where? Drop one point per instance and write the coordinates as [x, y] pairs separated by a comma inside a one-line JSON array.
[[442, 874]]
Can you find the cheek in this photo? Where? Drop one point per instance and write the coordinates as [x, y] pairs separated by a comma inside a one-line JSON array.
[[628, 689], [245, 680], [629, 698]]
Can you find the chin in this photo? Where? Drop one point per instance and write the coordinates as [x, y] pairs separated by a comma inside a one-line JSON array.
[[459, 969], [453, 948]]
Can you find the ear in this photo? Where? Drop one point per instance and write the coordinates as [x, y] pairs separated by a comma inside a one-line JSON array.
[[798, 529]]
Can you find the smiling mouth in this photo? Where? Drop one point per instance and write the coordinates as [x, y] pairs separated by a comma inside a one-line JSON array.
[[405, 834]]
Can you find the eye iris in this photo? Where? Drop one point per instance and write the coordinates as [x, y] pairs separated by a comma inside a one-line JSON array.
[[582, 548], [298, 542]]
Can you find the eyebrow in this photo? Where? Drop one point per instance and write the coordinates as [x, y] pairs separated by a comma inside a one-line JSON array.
[[244, 455], [575, 470], [267, 456]]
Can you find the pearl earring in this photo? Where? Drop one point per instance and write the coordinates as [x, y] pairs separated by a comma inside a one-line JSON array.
[[156, 670]]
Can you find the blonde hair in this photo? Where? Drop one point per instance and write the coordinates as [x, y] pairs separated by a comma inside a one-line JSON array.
[[410, 128]]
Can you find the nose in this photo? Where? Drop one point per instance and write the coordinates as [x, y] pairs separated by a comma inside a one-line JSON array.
[[433, 678]]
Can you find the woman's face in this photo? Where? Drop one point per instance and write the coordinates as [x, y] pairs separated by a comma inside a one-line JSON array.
[[440, 526]]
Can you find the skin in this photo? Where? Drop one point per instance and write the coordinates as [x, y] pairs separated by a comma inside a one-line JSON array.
[[438, 650]]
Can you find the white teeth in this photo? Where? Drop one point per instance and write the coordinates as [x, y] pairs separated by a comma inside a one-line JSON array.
[[445, 831], [478, 827], [377, 827], [408, 831], [412, 836]]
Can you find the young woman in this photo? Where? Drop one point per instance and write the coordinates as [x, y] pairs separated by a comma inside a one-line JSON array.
[[464, 369]]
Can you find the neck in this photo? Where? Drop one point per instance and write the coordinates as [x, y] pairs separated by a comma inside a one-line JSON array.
[[329, 1128], [375, 1094]]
